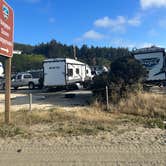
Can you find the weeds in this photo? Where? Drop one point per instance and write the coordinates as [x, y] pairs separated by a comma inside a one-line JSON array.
[[11, 131], [142, 109], [143, 104]]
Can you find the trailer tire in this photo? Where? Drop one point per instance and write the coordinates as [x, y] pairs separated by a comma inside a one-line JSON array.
[[31, 85]]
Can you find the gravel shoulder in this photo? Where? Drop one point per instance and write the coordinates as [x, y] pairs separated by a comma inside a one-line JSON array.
[[139, 147], [124, 144]]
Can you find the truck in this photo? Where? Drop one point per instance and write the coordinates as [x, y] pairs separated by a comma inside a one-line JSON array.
[[65, 71], [154, 60], [24, 79]]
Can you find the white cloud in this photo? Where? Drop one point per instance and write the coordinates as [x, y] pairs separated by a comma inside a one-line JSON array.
[[92, 35], [145, 4], [104, 22], [117, 24], [107, 22], [135, 21]]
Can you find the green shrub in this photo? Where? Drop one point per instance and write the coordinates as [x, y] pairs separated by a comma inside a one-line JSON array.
[[125, 76]]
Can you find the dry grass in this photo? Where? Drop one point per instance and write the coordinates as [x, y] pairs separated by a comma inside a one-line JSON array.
[[144, 109], [144, 104], [59, 122]]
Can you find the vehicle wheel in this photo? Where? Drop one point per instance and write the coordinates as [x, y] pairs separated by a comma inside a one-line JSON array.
[[31, 85], [15, 87]]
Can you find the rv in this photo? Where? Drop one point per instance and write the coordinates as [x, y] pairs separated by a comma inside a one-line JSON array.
[[65, 71], [1, 70], [154, 60]]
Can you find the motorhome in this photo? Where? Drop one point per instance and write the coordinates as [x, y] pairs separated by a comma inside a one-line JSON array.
[[154, 60], [65, 71]]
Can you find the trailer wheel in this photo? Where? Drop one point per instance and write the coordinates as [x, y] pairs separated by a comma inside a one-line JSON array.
[[31, 85]]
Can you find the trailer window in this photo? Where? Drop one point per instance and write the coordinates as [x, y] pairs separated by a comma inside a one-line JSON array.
[[77, 71], [87, 71], [70, 72]]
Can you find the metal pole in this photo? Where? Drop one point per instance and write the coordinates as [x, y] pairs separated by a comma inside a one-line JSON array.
[[7, 89], [107, 99], [30, 102]]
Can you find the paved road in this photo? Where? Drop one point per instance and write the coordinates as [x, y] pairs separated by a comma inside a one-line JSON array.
[[46, 100]]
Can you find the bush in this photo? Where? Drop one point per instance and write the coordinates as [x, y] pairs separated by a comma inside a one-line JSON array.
[[125, 76]]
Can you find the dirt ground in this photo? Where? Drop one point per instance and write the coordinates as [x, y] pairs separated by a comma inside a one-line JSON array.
[[142, 147], [138, 146]]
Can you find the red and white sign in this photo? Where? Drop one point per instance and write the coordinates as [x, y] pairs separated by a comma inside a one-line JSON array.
[[6, 29]]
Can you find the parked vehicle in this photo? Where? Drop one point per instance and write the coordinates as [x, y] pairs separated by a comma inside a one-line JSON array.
[[65, 71], [37, 74], [154, 60], [24, 79], [97, 70], [1, 70]]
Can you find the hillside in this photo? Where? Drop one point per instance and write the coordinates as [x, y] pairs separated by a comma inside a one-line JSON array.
[[91, 55]]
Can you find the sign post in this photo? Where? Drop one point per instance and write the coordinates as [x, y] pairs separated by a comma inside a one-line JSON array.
[[7, 89], [6, 49]]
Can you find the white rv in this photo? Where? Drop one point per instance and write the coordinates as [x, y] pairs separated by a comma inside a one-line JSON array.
[[1, 70], [154, 60], [65, 71]]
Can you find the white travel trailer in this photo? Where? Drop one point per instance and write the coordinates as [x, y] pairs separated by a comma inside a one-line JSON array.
[[1, 70], [65, 71], [154, 60]]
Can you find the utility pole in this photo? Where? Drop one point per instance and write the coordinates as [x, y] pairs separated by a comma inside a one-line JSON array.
[[75, 53]]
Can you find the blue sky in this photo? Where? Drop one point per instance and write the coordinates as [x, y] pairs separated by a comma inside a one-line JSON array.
[[126, 23]]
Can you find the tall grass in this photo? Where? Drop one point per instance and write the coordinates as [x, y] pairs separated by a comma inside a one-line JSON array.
[[144, 104]]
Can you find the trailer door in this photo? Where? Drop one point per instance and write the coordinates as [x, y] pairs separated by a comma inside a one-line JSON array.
[[54, 73]]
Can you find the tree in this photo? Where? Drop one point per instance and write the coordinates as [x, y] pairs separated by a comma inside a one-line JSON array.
[[127, 70], [126, 73], [22, 63]]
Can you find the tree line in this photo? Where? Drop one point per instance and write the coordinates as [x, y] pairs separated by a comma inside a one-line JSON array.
[[88, 54], [33, 56]]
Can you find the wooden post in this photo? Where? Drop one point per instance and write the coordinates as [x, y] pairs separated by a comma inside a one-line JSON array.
[[30, 102], [107, 98], [7, 89]]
